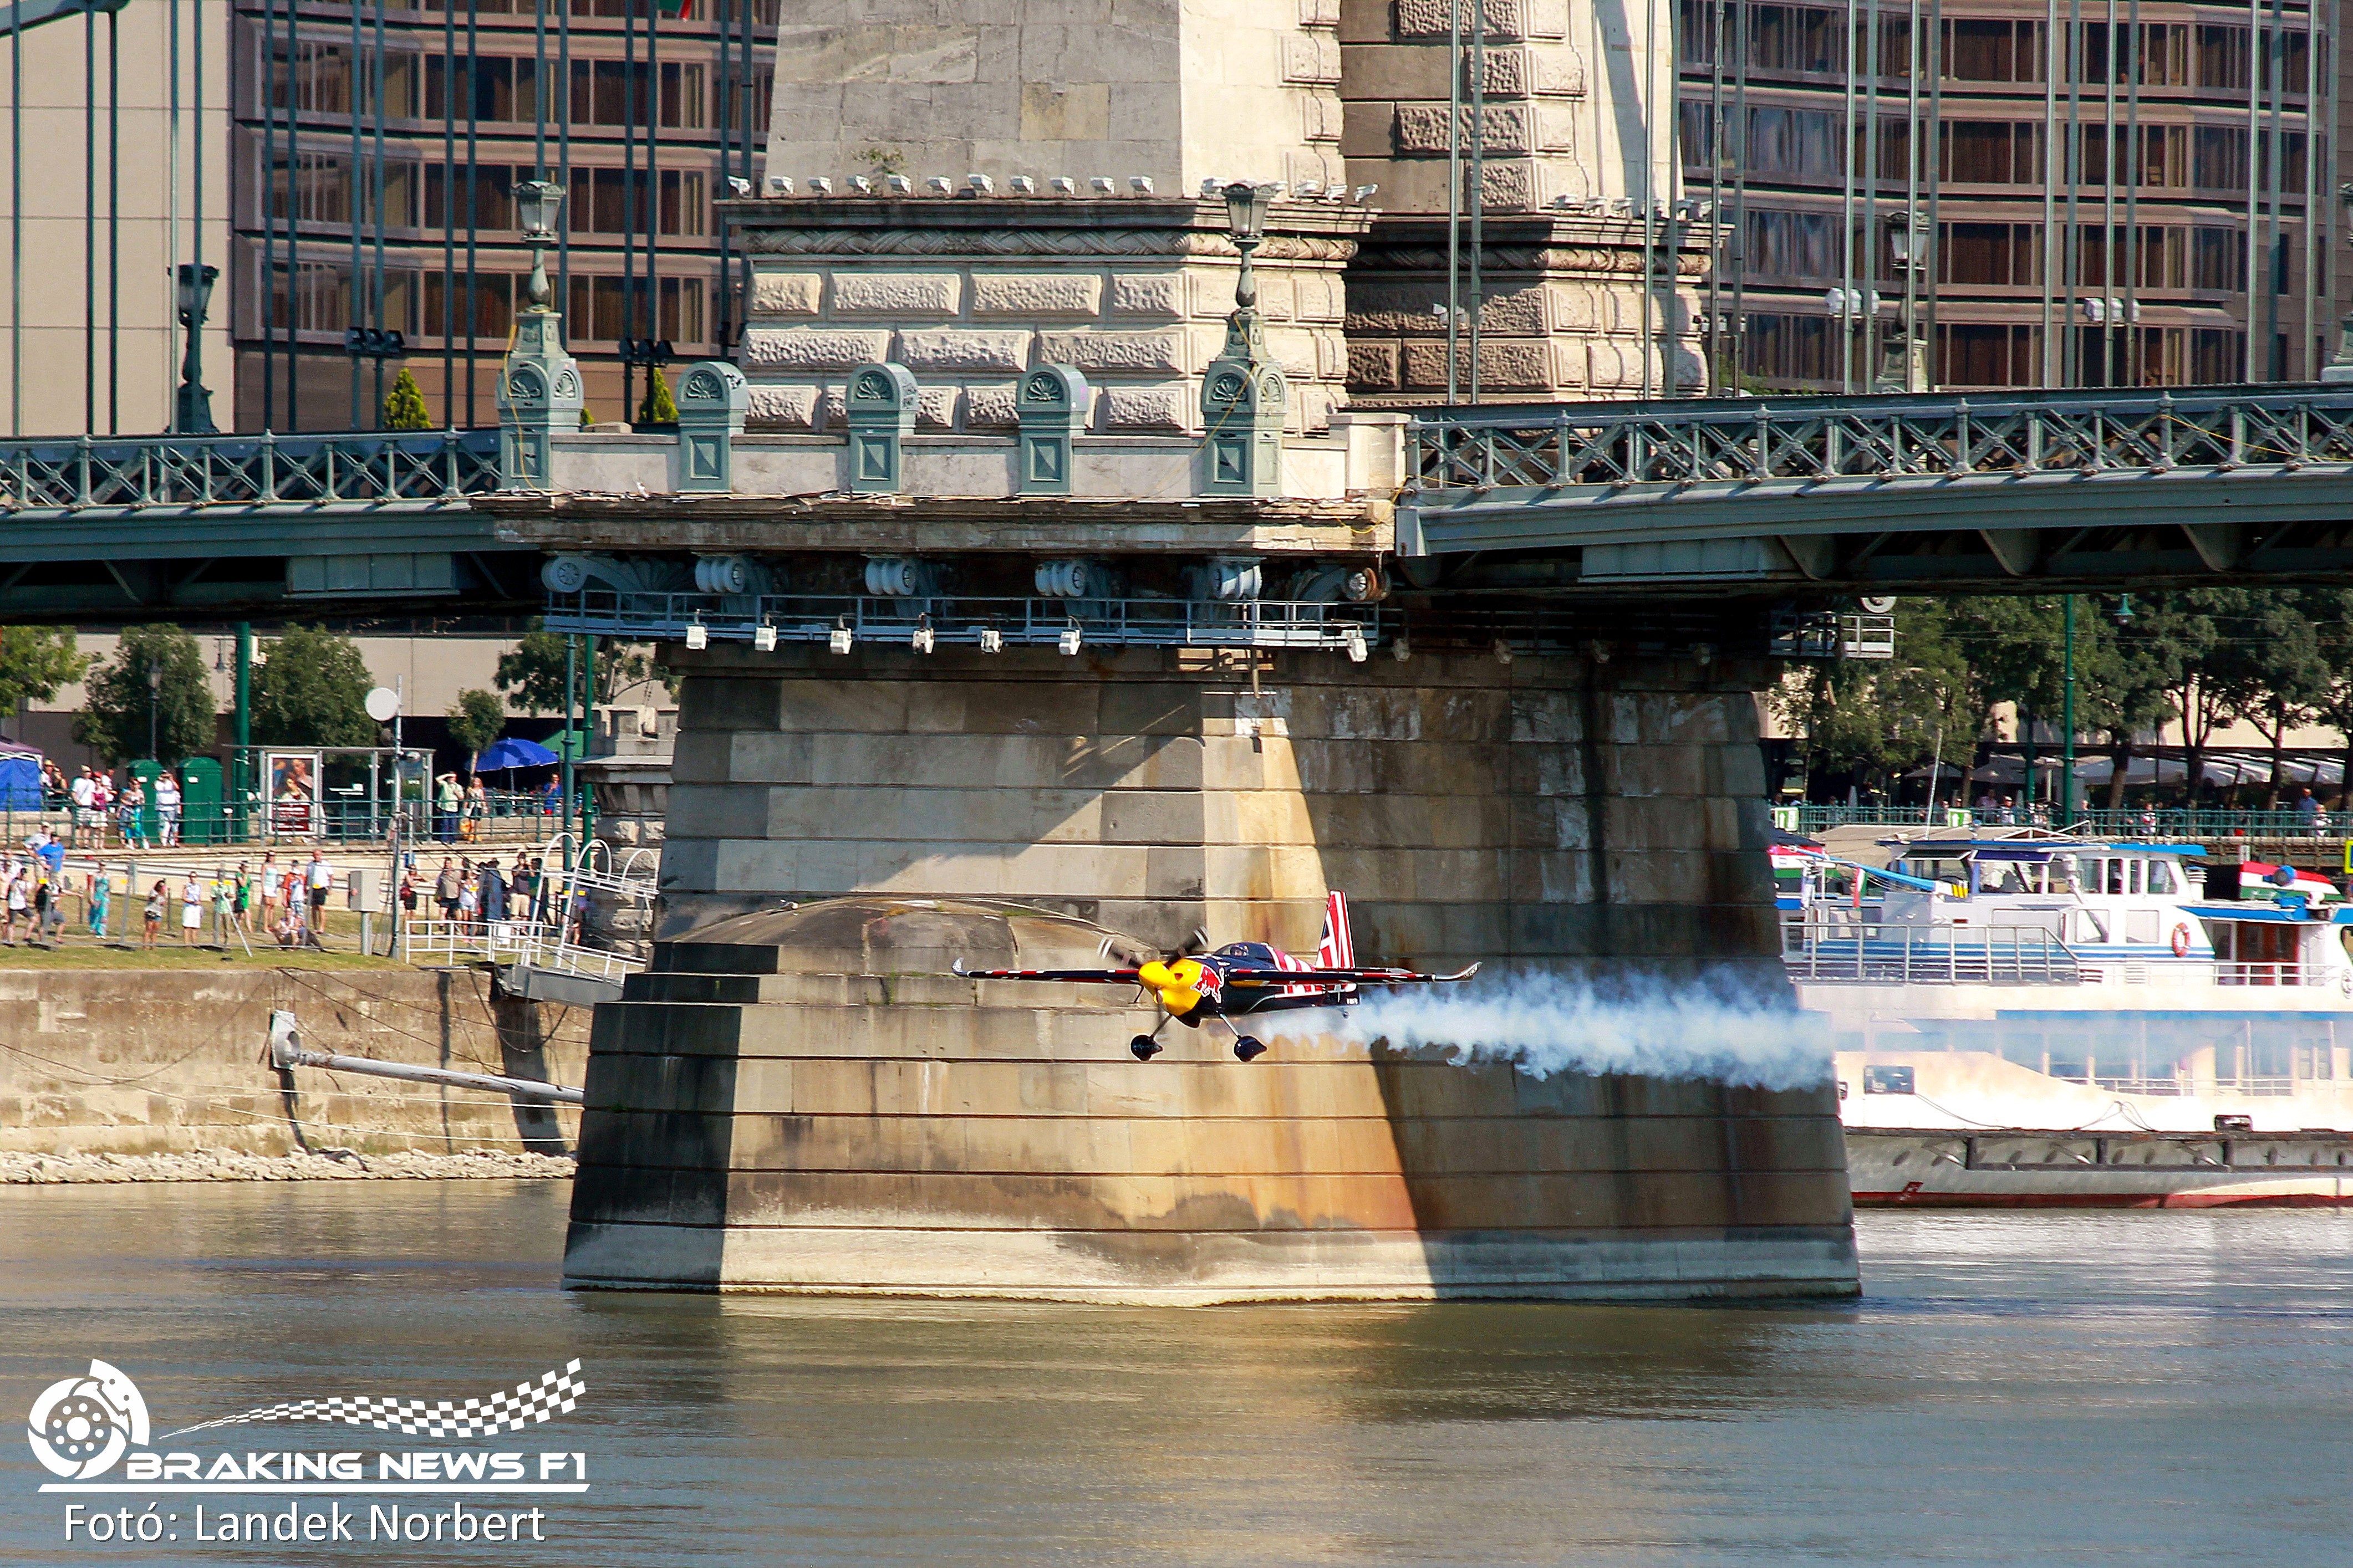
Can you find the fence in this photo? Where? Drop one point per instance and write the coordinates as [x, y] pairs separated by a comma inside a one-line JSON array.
[[517, 817], [1878, 954], [540, 945], [126, 473], [2159, 824]]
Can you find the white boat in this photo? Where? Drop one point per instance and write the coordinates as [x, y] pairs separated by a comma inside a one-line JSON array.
[[2032, 1019]]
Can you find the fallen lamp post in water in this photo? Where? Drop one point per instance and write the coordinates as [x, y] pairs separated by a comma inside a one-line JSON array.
[[286, 1051]]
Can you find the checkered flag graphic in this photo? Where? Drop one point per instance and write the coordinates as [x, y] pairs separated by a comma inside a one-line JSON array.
[[555, 1394]]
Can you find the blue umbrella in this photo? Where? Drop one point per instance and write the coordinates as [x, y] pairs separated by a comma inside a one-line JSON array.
[[514, 751]]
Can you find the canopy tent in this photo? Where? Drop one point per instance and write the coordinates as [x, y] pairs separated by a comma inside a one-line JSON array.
[[20, 775], [514, 751]]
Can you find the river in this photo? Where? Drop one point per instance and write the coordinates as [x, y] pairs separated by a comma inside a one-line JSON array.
[[2038, 1388]]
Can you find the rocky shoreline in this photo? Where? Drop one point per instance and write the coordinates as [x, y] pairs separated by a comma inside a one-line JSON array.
[[201, 1165]]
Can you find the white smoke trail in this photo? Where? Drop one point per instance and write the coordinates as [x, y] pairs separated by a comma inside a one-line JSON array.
[[1548, 1024]]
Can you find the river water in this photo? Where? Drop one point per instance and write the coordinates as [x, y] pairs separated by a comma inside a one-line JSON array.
[[2046, 1389]]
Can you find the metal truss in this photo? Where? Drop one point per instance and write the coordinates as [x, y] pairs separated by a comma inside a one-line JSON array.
[[1933, 493], [845, 621], [94, 477], [1599, 446]]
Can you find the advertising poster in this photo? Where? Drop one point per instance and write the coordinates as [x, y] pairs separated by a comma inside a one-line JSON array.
[[293, 782]]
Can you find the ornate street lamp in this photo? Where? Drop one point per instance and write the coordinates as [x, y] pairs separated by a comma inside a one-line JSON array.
[[1903, 365], [192, 410], [1247, 204], [537, 203]]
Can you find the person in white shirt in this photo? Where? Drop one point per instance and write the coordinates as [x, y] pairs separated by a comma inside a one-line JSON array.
[[273, 890], [319, 877], [167, 809], [19, 889], [84, 791], [192, 909]]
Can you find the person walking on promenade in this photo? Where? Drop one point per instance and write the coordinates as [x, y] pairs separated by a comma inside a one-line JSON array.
[[101, 889], [156, 898], [192, 908], [446, 887], [241, 903], [19, 900], [273, 888]]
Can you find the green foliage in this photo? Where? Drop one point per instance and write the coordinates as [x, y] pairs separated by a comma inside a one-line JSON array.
[[34, 663], [884, 160], [657, 408], [1894, 715], [403, 405], [475, 720], [532, 675], [313, 691], [586, 418], [114, 722]]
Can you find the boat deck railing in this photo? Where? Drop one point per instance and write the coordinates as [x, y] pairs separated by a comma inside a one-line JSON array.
[[1885, 954]]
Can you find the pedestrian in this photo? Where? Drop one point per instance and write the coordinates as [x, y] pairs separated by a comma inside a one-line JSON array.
[[51, 852], [20, 898], [470, 905], [101, 803], [519, 890], [409, 895], [84, 791], [447, 798], [494, 894], [224, 892], [241, 905], [539, 889], [100, 890], [155, 901], [319, 877], [167, 810], [43, 897], [273, 888], [192, 908], [130, 810], [446, 887]]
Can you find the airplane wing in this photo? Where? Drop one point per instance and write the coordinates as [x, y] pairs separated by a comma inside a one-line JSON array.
[[1103, 976], [1278, 980]]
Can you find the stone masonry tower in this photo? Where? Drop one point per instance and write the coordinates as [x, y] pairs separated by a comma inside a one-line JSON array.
[[1035, 579]]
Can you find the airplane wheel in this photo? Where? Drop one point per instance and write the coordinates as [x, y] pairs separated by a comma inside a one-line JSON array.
[[1250, 1048], [1145, 1047]]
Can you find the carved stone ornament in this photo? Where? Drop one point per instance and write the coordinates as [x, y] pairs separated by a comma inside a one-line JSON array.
[[526, 386], [1038, 242]]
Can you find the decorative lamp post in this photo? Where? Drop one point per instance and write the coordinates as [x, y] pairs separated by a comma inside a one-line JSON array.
[[1903, 365], [539, 386], [2340, 369], [1244, 397], [192, 410]]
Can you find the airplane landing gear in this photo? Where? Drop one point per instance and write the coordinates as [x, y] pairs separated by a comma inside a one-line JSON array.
[[1145, 1047], [1249, 1048]]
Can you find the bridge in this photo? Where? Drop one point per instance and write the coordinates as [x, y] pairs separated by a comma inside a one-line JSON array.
[[1802, 499], [1902, 492]]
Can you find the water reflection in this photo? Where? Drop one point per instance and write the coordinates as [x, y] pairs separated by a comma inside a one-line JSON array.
[[2011, 1388]]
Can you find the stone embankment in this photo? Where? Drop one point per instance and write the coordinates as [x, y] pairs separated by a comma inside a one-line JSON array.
[[50, 1170]]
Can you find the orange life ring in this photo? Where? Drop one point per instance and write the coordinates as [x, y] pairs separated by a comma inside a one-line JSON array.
[[2180, 941]]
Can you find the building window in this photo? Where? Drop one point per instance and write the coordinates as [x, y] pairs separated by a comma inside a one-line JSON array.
[[608, 309], [1993, 51], [2005, 254], [1988, 354], [612, 92], [1991, 152], [1792, 348], [1793, 244], [1794, 143], [1796, 38]]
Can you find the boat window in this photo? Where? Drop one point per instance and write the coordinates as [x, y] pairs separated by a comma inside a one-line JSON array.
[[2140, 925], [1999, 876], [2090, 927], [1888, 1081], [2162, 879], [2116, 876], [2132, 884], [2065, 877]]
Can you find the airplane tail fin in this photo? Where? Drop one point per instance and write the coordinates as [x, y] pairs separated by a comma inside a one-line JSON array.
[[1338, 948]]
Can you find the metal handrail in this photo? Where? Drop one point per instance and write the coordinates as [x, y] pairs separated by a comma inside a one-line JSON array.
[[1751, 441], [537, 944], [2172, 822], [1873, 953], [80, 472]]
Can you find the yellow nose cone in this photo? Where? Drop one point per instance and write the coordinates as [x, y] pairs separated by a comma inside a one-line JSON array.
[[1156, 975], [1180, 999]]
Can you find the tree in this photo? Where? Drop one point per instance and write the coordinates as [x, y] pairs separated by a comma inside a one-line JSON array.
[[115, 721], [532, 675], [1873, 717], [311, 690], [475, 720], [403, 405], [34, 663], [657, 407]]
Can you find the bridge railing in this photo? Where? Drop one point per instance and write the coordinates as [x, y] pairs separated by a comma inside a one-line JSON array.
[[2163, 823], [1759, 440], [58, 473]]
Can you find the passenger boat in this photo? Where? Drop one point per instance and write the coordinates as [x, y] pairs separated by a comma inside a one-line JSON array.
[[2033, 1019]]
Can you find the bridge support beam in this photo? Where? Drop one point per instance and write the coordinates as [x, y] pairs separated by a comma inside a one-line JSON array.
[[805, 1101]]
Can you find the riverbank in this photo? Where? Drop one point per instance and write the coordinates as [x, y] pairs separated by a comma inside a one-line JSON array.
[[216, 1165]]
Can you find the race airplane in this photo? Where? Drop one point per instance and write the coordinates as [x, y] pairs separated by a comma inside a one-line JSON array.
[[1237, 980]]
